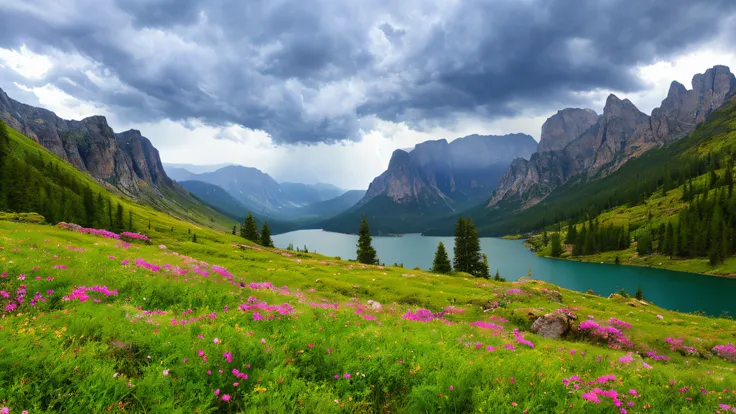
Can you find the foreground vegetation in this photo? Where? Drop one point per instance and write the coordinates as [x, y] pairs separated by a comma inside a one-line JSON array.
[[222, 326]]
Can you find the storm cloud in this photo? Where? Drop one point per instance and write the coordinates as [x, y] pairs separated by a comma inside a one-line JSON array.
[[320, 71]]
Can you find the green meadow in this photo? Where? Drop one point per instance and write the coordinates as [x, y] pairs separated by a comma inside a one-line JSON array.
[[223, 325]]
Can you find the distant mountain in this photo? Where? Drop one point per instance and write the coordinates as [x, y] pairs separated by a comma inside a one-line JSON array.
[[328, 191], [333, 206], [436, 178], [196, 169], [180, 174], [259, 193], [578, 143], [223, 202]]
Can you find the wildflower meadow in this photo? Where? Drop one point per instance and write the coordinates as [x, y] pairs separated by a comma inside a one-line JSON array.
[[92, 321]]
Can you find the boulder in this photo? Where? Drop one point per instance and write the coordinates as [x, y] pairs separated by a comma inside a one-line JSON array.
[[553, 325]]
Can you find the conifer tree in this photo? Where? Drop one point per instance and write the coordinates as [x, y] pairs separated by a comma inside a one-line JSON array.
[[460, 259], [194, 238], [249, 229], [266, 235], [545, 238], [366, 253], [484, 270], [571, 234], [441, 262], [556, 245], [644, 243], [467, 251], [235, 228], [639, 294], [119, 218]]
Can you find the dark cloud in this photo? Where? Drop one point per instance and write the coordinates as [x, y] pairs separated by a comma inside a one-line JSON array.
[[307, 71]]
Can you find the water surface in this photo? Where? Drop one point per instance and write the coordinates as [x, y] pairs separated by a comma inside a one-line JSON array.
[[685, 292]]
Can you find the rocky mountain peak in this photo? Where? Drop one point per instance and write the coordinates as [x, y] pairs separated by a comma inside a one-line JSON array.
[[119, 160], [565, 126]]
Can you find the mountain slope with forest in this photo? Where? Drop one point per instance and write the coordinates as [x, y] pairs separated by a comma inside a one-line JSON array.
[[569, 151], [676, 203]]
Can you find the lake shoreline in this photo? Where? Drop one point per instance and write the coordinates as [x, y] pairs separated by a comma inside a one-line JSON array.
[[653, 261], [685, 291]]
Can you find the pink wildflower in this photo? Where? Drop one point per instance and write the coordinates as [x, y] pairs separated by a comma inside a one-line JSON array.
[[226, 398]]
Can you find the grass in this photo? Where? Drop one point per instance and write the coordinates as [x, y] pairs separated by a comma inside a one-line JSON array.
[[123, 353]]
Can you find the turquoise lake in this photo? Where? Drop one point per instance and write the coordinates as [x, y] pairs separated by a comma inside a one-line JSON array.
[[687, 292]]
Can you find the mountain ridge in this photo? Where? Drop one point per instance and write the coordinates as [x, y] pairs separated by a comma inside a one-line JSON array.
[[621, 133]]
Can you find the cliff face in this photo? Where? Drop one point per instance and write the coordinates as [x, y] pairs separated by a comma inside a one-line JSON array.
[[438, 173], [127, 161], [573, 143]]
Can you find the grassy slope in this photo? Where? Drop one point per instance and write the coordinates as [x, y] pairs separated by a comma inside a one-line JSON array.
[[175, 201], [92, 357]]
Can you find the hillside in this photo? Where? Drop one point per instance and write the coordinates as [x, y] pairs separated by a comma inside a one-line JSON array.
[[241, 328], [678, 199], [33, 179]]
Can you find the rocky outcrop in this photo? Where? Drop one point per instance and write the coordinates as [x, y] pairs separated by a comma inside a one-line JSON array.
[[620, 134], [446, 175], [553, 325], [126, 161], [563, 127]]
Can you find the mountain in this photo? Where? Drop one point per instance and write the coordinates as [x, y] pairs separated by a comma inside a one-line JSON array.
[[333, 206], [223, 202], [193, 168], [436, 178], [126, 161], [577, 143], [260, 193], [328, 191], [180, 174]]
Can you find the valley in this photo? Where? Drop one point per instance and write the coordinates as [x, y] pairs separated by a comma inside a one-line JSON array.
[[377, 207]]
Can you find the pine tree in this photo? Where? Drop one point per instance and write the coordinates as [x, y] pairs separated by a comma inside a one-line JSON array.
[[460, 260], [571, 234], [441, 262], [366, 253], [545, 238], [89, 207], [639, 294], [130, 220], [556, 245], [149, 224], [249, 229], [235, 228], [484, 270], [644, 243], [475, 257], [119, 218], [194, 238], [266, 235], [728, 178]]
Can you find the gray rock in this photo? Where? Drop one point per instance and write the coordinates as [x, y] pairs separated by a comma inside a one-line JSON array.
[[552, 325], [564, 127]]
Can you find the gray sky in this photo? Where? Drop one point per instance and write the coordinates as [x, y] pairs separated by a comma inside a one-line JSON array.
[[325, 90]]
